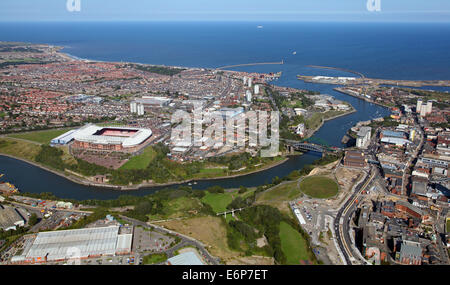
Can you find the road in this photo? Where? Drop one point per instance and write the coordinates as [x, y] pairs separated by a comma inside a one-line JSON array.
[[185, 240]]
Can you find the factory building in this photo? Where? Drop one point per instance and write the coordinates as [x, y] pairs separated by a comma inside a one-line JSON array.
[[82, 243], [64, 138], [355, 159], [186, 258], [10, 218]]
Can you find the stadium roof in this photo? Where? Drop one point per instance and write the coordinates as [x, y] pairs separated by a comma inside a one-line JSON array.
[[86, 134]]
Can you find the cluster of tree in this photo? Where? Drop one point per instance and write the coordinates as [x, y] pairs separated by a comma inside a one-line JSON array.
[[158, 69]]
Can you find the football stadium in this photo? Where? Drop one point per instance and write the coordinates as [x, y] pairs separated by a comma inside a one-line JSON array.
[[122, 139]]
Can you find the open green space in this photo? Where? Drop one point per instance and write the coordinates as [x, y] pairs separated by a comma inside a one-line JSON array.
[[42, 137], [448, 226], [287, 191], [218, 201], [20, 149], [154, 258], [292, 244], [140, 161], [319, 187]]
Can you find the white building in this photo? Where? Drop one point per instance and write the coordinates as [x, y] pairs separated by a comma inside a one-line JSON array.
[[140, 110], [300, 130], [424, 109], [256, 89], [248, 95], [250, 82], [133, 107], [363, 137], [85, 243]]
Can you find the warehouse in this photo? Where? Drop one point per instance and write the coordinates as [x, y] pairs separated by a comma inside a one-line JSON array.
[[10, 218], [64, 138], [84, 243]]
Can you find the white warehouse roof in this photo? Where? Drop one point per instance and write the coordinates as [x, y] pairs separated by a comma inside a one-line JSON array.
[[59, 245]]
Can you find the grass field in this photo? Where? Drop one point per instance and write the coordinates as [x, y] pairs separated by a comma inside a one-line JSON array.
[[17, 148], [218, 201], [284, 192], [292, 244], [140, 161], [42, 137], [319, 187], [215, 235], [154, 258], [448, 226]]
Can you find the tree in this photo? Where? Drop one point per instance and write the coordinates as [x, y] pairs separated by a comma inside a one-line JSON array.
[[33, 219]]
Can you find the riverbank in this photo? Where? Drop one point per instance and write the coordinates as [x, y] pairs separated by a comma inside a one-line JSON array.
[[89, 183], [353, 110], [340, 90]]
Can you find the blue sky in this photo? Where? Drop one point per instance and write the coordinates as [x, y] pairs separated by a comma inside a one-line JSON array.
[[226, 10]]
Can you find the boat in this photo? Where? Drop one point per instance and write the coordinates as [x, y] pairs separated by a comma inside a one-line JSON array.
[[1, 175], [195, 182], [259, 27], [294, 53]]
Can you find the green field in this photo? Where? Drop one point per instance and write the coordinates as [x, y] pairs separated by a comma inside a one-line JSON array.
[[292, 244], [154, 258], [319, 187], [18, 148], [284, 192], [218, 201], [140, 161], [448, 225], [42, 137]]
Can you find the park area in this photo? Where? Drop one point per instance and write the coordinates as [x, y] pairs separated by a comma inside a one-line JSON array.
[[319, 187], [140, 161], [293, 244], [42, 137]]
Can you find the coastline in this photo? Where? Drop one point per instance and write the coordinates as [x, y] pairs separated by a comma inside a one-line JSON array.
[[338, 89]]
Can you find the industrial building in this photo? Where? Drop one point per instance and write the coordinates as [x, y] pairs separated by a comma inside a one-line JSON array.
[[355, 159], [186, 258], [80, 243], [126, 139], [10, 218], [363, 137], [64, 138]]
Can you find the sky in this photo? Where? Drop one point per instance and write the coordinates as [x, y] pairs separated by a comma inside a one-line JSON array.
[[226, 10]]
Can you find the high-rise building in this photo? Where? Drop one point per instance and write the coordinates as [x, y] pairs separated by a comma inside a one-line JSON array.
[[250, 82], [363, 137], [429, 107], [140, 109], [133, 107], [248, 95], [419, 105], [244, 79], [256, 89]]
